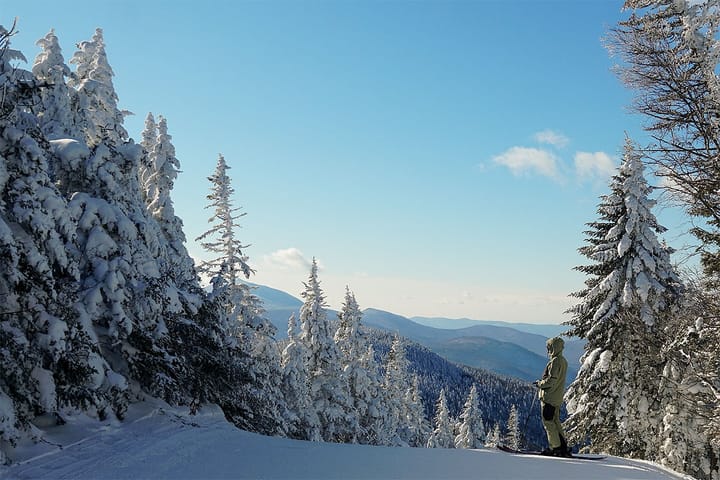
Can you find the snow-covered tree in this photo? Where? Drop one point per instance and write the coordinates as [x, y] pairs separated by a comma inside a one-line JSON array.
[[631, 289], [264, 391], [220, 239], [670, 54], [46, 354], [513, 437], [394, 385], [494, 437], [442, 435], [632, 269], [689, 386], [229, 262], [471, 429], [247, 334], [158, 171], [359, 368], [416, 429], [55, 114], [300, 417], [97, 108], [369, 399], [329, 390], [146, 170], [165, 168]]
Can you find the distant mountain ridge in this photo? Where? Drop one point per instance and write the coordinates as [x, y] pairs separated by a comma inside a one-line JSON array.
[[546, 330], [491, 345]]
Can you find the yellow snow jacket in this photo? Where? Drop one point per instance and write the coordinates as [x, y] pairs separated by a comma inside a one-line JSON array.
[[552, 384]]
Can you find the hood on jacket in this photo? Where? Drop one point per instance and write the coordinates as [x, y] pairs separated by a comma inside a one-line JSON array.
[[555, 346]]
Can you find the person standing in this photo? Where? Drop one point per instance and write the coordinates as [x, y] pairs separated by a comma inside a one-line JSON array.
[[552, 389]]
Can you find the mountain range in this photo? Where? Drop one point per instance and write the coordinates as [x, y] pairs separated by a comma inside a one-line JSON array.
[[515, 350]]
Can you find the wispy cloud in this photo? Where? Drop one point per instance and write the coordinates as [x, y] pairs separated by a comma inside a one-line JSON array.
[[553, 138], [521, 160], [288, 258], [593, 165]]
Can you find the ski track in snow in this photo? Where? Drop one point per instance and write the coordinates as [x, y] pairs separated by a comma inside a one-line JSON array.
[[168, 444]]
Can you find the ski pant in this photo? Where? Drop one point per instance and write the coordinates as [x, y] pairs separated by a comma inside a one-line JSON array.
[[551, 422]]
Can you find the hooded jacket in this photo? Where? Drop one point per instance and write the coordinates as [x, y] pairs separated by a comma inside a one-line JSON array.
[[552, 384]]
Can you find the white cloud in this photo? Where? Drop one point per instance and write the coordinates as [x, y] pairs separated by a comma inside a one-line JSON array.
[[553, 138], [522, 160], [288, 258], [598, 164]]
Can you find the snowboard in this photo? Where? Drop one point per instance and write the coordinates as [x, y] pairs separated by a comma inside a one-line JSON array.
[[531, 452]]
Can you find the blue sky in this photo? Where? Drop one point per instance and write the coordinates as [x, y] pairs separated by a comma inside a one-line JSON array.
[[439, 157]]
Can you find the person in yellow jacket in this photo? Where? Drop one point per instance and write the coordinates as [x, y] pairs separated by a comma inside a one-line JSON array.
[[552, 389]]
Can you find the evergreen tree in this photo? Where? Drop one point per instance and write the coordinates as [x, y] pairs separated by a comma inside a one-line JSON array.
[[97, 108], [442, 435], [159, 169], [230, 261], [301, 419], [394, 386], [147, 164], [54, 111], [265, 390], [246, 334], [494, 438], [46, 354], [471, 429], [670, 58], [358, 369], [631, 289], [670, 53], [329, 390], [513, 437], [369, 399], [687, 393], [416, 428]]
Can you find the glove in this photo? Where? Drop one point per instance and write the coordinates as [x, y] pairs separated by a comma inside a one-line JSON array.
[[536, 383]]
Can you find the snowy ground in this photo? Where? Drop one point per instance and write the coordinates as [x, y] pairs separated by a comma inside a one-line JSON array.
[[158, 442]]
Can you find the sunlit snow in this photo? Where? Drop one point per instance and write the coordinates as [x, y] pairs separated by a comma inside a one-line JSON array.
[[156, 441]]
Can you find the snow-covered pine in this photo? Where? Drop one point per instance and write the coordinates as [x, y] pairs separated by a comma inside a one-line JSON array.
[[55, 114], [688, 386], [329, 391], [97, 108], [442, 435], [370, 399], [264, 392], [45, 352], [670, 52], [252, 401], [157, 172], [416, 429], [631, 291], [146, 168], [632, 269], [513, 437], [359, 369], [165, 168], [128, 291], [229, 260], [494, 437], [395, 383], [301, 419], [471, 429]]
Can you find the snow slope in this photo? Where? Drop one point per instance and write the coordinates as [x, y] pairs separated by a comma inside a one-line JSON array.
[[160, 442]]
